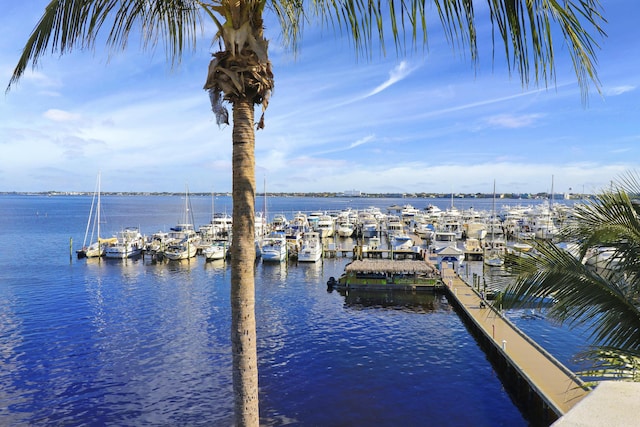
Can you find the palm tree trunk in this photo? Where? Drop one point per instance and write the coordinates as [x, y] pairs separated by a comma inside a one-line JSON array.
[[243, 255]]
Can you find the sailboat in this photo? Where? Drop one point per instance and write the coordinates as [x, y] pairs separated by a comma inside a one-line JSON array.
[[93, 248]]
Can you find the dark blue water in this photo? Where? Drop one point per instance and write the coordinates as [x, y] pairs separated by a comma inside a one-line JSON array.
[[88, 342]]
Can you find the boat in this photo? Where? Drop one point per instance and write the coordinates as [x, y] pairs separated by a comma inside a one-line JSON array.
[[215, 251], [370, 227], [273, 247], [394, 226], [183, 241], [311, 248], [385, 275], [157, 242], [495, 247], [401, 242], [493, 260], [184, 249], [279, 223], [128, 244], [94, 248], [326, 226], [345, 229]]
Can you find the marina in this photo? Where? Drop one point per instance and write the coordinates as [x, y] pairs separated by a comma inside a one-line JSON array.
[[139, 340]]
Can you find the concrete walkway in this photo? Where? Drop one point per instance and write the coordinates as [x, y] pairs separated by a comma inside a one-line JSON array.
[[555, 383]]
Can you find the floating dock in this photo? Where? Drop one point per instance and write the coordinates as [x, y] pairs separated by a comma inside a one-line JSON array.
[[543, 387]]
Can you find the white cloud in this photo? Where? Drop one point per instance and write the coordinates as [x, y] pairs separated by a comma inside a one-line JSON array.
[[619, 90], [60, 115], [400, 72], [361, 141], [513, 121]]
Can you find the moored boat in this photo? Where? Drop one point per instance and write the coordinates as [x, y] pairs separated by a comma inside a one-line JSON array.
[[96, 247], [401, 241], [311, 248], [215, 251], [128, 243], [273, 247], [184, 249]]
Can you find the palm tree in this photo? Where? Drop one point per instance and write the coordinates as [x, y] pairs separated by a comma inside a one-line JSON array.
[[240, 74], [603, 295]]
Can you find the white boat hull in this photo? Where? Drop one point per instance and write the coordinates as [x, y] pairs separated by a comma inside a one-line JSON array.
[[181, 252]]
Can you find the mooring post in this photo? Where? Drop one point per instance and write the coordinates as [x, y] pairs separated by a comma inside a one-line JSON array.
[[504, 345]]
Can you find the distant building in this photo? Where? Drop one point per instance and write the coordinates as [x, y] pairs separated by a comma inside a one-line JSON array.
[[352, 193]]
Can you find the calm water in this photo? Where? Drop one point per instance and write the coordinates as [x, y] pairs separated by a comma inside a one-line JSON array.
[[88, 342]]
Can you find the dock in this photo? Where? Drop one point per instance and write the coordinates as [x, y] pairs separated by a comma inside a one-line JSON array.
[[543, 387]]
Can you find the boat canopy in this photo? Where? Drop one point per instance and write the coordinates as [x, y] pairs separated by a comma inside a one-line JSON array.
[[400, 266]]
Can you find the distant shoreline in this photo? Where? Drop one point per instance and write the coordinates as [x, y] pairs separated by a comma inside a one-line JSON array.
[[502, 196]]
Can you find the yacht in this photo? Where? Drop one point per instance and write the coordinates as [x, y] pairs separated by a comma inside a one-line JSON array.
[[326, 226], [274, 247], [129, 243], [311, 248]]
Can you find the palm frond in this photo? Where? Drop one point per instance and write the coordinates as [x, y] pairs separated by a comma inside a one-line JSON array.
[[582, 295], [608, 363], [76, 24], [526, 28]]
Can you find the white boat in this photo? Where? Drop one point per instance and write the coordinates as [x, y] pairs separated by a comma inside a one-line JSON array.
[[157, 242], [493, 260], [370, 227], [94, 248], [273, 248], [183, 240], [394, 226], [522, 247], [476, 230], [326, 226], [221, 225], [425, 230], [183, 249], [345, 229], [311, 248], [494, 247], [128, 243], [279, 223], [401, 242], [215, 251], [472, 245]]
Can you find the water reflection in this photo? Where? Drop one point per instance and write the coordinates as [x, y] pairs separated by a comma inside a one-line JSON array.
[[410, 301]]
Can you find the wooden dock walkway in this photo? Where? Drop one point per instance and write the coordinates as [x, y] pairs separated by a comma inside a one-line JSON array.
[[555, 384]]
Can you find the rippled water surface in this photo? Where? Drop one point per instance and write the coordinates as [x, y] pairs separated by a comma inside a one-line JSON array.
[[88, 342]]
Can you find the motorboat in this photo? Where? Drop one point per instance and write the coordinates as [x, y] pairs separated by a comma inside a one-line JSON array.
[[345, 229], [326, 226], [273, 247], [128, 243], [401, 242], [215, 251], [184, 249], [311, 248]]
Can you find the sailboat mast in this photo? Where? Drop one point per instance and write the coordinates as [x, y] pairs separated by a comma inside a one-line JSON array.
[[98, 212]]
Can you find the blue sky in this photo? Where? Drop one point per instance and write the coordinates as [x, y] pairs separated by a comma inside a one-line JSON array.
[[427, 121]]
